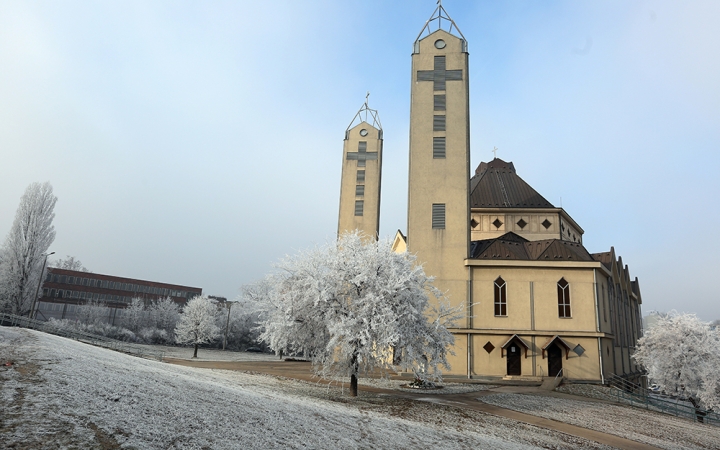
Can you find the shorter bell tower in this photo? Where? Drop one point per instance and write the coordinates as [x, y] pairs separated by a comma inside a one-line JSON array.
[[361, 174]]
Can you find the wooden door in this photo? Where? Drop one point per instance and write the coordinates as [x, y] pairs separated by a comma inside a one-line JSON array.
[[513, 360], [554, 354]]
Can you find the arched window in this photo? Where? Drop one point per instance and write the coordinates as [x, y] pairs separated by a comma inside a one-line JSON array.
[[563, 298], [500, 297]]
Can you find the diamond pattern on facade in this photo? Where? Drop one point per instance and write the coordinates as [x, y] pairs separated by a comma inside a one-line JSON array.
[[546, 223], [498, 223], [474, 223], [521, 223], [489, 347]]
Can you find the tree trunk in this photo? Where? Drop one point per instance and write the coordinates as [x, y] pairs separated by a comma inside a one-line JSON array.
[[353, 376], [353, 385], [195, 354], [699, 413]]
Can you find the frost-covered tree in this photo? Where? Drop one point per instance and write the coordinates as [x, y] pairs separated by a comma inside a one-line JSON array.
[[197, 323], [69, 263], [680, 353], [164, 314], [93, 312], [241, 325], [23, 252], [134, 317], [354, 306]]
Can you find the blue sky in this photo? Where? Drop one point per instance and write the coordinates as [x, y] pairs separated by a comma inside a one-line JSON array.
[[198, 142]]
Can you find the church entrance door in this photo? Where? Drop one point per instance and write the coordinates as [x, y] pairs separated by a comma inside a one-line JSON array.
[[513, 360], [554, 354]]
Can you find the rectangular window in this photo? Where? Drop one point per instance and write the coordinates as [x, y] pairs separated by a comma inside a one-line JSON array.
[[438, 216], [359, 207], [359, 190], [71, 280], [361, 163], [563, 288], [84, 281], [439, 102], [45, 292], [62, 279], [439, 123], [104, 284], [362, 146], [360, 176], [500, 297], [438, 147]]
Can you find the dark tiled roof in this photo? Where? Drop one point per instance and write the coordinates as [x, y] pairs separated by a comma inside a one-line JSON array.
[[510, 246], [605, 257], [496, 184]]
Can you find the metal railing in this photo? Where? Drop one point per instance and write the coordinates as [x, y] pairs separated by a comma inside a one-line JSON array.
[[88, 338], [635, 395]]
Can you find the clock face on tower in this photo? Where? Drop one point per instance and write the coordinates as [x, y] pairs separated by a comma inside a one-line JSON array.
[[363, 132]]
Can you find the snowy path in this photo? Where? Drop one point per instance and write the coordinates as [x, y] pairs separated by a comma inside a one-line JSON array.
[[653, 428], [63, 394]]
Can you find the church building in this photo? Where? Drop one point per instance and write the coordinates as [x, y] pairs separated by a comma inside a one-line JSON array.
[[538, 304]]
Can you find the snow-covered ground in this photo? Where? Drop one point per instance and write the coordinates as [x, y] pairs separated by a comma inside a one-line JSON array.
[[657, 429], [220, 355], [63, 394], [211, 354]]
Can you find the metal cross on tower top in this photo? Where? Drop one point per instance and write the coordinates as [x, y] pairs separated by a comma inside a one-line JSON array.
[[495, 149]]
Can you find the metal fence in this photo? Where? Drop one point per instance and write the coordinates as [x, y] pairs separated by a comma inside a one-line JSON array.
[[93, 339], [635, 395]]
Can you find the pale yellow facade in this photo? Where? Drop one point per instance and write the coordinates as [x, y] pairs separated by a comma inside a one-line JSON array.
[[537, 224], [438, 205], [361, 180], [537, 303]]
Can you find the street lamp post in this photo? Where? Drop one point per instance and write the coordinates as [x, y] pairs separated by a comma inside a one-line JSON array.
[[227, 323], [37, 291]]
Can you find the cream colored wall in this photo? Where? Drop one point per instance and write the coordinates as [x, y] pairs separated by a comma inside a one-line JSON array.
[[585, 367], [430, 180], [545, 299], [458, 361], [562, 226], [533, 231], [369, 222], [570, 233]]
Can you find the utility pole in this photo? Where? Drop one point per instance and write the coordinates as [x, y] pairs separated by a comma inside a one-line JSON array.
[[227, 323], [37, 291]]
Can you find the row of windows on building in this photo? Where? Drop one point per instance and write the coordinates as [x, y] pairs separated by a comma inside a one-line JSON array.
[[87, 296], [69, 308], [563, 296], [116, 285]]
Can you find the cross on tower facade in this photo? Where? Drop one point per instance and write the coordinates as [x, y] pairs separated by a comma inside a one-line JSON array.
[[362, 154], [439, 75]]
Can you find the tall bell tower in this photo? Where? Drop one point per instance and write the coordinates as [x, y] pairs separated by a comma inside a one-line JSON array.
[[438, 192], [361, 174]]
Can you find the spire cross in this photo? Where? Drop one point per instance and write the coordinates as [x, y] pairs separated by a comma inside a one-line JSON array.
[[495, 149]]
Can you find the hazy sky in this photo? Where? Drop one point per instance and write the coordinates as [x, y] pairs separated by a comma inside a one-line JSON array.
[[198, 142]]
